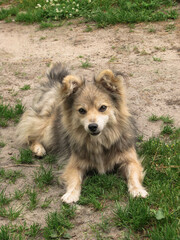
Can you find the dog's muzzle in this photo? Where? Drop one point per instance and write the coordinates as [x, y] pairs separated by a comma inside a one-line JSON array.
[[93, 128]]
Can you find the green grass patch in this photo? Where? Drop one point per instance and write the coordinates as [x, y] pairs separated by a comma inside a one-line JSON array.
[[175, 134], [58, 223], [19, 232], [26, 87], [11, 175], [4, 200], [2, 144], [4, 233], [156, 59], [46, 203], [10, 213], [8, 112], [18, 194], [167, 231], [86, 64], [33, 201], [26, 157], [99, 188], [33, 230], [165, 119], [135, 215], [50, 159], [101, 229], [170, 27], [167, 130], [44, 177], [102, 12]]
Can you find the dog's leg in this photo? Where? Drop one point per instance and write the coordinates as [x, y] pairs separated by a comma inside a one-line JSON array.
[[72, 176], [133, 171], [38, 149]]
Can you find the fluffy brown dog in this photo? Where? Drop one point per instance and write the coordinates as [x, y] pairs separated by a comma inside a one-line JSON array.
[[87, 124]]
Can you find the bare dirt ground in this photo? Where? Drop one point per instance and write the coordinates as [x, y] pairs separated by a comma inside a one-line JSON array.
[[148, 55]]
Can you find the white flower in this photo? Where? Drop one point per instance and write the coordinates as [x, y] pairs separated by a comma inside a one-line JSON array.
[[47, 1], [89, 1], [77, 10], [72, 8], [57, 10], [38, 5]]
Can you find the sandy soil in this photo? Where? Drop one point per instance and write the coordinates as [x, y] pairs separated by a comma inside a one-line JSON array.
[[153, 87]]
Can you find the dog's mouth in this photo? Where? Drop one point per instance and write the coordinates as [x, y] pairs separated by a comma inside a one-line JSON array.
[[95, 133]]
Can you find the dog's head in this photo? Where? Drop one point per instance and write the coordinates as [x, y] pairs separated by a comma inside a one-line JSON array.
[[93, 106]]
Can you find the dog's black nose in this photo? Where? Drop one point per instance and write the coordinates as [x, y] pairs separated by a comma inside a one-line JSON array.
[[93, 127]]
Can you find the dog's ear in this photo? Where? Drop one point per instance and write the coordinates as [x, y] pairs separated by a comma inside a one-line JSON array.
[[70, 85], [110, 81]]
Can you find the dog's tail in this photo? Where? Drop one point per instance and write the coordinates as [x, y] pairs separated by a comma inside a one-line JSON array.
[[57, 73]]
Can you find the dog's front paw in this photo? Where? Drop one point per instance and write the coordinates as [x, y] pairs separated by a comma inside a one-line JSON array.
[[39, 150], [71, 197], [138, 192]]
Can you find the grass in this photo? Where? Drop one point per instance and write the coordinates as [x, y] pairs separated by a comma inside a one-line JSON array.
[[59, 222], [4, 200], [102, 12], [4, 233], [43, 177], [2, 144], [18, 194], [97, 189], [152, 30], [135, 215], [33, 201], [156, 59], [86, 64], [33, 230], [165, 119], [13, 232], [167, 130], [11, 213], [8, 112], [26, 87], [46, 203], [101, 229], [88, 28], [11, 175], [26, 157], [50, 159], [170, 27]]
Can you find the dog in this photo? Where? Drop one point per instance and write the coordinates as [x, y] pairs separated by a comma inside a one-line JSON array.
[[87, 124]]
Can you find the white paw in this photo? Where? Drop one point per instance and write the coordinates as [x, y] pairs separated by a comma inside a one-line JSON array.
[[70, 197], [138, 192], [39, 150]]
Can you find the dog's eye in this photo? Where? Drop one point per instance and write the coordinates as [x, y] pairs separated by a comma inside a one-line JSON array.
[[82, 111], [102, 108]]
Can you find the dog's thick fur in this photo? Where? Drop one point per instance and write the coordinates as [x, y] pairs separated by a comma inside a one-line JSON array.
[[87, 124]]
